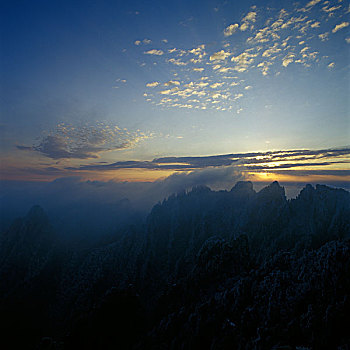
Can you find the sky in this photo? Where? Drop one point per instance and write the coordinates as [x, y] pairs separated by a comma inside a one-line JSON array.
[[142, 90]]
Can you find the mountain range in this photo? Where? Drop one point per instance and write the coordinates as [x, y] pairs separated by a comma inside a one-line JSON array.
[[206, 269]]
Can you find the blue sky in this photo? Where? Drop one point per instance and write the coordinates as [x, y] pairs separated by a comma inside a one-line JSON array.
[[99, 82]]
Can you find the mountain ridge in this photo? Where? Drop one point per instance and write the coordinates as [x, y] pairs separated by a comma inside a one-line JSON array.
[[193, 249]]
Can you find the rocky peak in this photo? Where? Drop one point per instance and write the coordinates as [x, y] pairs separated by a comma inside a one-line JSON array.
[[243, 186], [200, 189], [306, 193], [273, 192]]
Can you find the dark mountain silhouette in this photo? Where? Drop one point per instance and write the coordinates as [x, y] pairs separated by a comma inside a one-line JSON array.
[[25, 249], [208, 269]]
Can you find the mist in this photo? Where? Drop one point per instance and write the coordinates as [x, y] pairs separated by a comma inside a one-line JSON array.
[[96, 207], [80, 208]]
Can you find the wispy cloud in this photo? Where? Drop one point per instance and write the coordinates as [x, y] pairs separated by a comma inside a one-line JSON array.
[[329, 10], [284, 159], [340, 26], [84, 142], [309, 5]]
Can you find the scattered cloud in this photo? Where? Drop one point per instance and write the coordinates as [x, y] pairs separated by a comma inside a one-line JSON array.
[[331, 9], [219, 56], [216, 85], [247, 21], [172, 83], [324, 36], [177, 62], [340, 26], [231, 29], [168, 92], [154, 52], [309, 5], [265, 39], [153, 84], [288, 60], [243, 61], [198, 69], [144, 41], [198, 51], [250, 17], [271, 50]]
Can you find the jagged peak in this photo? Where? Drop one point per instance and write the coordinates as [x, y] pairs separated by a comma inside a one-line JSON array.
[[243, 186], [306, 192], [274, 190], [275, 186], [199, 189], [323, 188], [327, 190]]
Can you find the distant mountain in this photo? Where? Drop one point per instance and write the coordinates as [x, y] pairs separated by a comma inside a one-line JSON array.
[[207, 270], [25, 248]]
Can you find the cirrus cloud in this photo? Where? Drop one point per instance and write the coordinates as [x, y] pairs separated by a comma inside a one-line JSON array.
[[84, 142]]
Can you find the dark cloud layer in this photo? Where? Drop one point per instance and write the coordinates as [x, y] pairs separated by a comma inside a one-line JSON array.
[[296, 158]]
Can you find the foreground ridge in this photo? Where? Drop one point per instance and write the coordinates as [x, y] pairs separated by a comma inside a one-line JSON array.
[[207, 270]]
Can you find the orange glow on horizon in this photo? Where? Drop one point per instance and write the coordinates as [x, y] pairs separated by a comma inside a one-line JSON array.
[[270, 177], [151, 175]]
